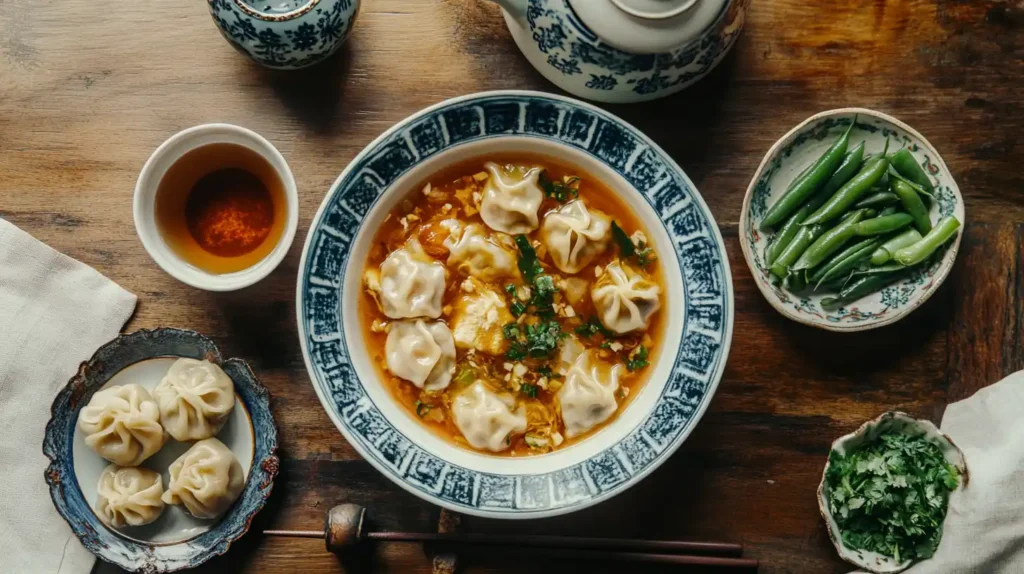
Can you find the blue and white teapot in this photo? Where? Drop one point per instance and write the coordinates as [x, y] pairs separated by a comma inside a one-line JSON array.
[[621, 51], [285, 34]]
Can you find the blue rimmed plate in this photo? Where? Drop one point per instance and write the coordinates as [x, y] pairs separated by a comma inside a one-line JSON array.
[[176, 540], [699, 306]]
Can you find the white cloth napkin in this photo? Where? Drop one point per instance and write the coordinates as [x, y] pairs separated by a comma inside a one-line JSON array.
[[54, 313], [984, 529]]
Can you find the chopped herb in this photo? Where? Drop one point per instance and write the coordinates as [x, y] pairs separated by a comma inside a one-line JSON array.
[[543, 296], [538, 341], [891, 495], [560, 191], [529, 265], [606, 345], [638, 359], [511, 290], [546, 371], [422, 409], [511, 331], [516, 351], [645, 255], [592, 327], [626, 247], [528, 389], [465, 376], [517, 308]]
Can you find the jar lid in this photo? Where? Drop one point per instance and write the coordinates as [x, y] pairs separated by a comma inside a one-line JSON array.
[[648, 26]]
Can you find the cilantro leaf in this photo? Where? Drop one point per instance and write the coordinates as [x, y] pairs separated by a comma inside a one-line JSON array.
[[528, 389], [592, 327], [638, 359], [528, 263], [626, 247], [560, 191]]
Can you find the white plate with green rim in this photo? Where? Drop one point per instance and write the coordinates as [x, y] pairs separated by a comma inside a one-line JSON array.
[[781, 165]]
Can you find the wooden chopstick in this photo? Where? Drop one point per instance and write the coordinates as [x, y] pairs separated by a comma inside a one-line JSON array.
[[631, 557], [564, 542]]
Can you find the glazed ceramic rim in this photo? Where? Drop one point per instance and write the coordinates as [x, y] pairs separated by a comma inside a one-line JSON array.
[[929, 427], [713, 378], [946, 265], [169, 152], [282, 17], [74, 395]]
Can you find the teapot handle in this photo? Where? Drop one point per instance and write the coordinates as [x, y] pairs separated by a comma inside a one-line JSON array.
[[515, 8]]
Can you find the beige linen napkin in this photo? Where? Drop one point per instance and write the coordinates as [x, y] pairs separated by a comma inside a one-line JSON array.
[[54, 313], [984, 529]]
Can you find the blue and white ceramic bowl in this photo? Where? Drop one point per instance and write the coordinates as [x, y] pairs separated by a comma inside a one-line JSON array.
[[699, 309], [285, 34], [800, 148], [552, 35], [176, 540]]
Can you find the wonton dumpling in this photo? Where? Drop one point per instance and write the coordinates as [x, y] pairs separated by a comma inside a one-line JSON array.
[[486, 419], [421, 353], [575, 235], [411, 283], [587, 398], [195, 399], [624, 300], [510, 202], [207, 479], [475, 253], [128, 496], [122, 424]]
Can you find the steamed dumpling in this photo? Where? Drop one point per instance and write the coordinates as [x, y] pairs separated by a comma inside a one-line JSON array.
[[122, 424], [486, 419], [410, 284], [575, 235], [587, 398], [207, 479], [421, 353], [472, 251], [624, 300], [510, 201], [195, 399], [128, 496]]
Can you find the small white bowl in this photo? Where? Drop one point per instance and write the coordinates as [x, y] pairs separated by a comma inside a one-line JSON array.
[[798, 149], [145, 200], [890, 421]]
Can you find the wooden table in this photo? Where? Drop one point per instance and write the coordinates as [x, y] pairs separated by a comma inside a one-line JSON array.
[[88, 89]]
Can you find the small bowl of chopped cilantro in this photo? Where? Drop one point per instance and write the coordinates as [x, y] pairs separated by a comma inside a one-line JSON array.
[[885, 491]]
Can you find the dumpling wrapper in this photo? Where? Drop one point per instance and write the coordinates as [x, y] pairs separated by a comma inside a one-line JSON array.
[[410, 283], [195, 399], [206, 480], [122, 424], [129, 496], [510, 201], [587, 398], [624, 300], [486, 419], [575, 235], [471, 251], [421, 353]]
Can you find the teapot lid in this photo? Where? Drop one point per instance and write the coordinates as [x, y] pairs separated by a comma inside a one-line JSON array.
[[648, 26]]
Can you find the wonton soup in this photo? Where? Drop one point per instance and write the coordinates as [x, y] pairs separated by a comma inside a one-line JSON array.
[[512, 304]]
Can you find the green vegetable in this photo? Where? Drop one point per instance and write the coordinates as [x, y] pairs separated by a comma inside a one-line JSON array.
[[546, 371], [846, 170], [560, 191], [918, 252], [795, 249], [884, 253], [924, 192], [528, 263], [879, 199], [884, 224], [645, 255], [422, 409], [912, 203], [891, 495], [517, 308], [823, 168], [638, 359], [908, 167], [529, 389], [861, 287], [626, 247], [790, 229], [838, 258], [538, 341], [829, 242], [847, 195], [592, 327], [466, 375]]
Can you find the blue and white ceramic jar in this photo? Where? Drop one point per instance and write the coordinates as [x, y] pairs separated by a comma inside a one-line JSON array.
[[285, 34], [622, 51]]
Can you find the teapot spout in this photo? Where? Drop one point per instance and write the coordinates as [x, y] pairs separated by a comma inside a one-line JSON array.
[[515, 8]]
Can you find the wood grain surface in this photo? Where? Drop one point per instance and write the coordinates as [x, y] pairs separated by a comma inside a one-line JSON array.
[[88, 90]]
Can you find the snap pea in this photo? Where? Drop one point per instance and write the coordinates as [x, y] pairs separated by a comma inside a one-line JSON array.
[[795, 282], [791, 227], [912, 203], [850, 261], [887, 211], [884, 224], [823, 168], [851, 191], [829, 242], [847, 169], [839, 257], [884, 253], [879, 199], [919, 251], [875, 270], [861, 287], [804, 237], [908, 167]]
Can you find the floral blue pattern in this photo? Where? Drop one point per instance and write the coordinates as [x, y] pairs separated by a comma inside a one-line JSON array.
[[572, 49], [696, 247], [289, 43]]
